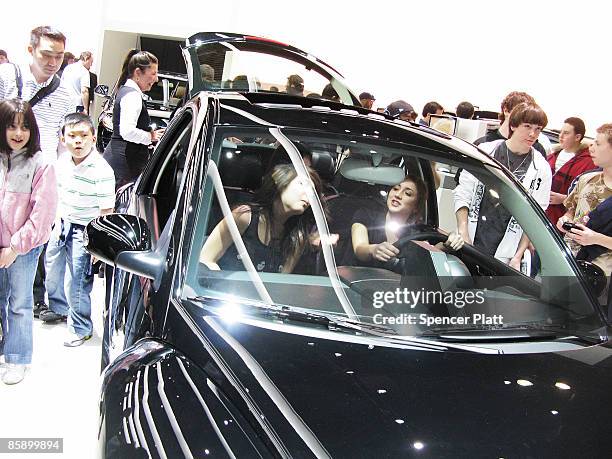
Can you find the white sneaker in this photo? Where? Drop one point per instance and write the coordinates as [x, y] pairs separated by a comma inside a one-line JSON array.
[[14, 373]]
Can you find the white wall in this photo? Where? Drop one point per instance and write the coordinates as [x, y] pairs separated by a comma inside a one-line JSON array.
[[418, 51]]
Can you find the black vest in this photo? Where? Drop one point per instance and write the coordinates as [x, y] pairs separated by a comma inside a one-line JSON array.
[[136, 151]]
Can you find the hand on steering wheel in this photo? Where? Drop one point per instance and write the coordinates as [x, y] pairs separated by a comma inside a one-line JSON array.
[[454, 242], [433, 237]]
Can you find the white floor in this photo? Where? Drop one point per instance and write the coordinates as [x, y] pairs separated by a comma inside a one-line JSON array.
[[60, 393]]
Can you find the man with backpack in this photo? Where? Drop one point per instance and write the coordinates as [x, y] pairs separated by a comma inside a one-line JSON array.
[[51, 102]]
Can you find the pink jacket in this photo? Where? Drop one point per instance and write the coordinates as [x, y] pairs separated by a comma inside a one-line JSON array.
[[28, 200]]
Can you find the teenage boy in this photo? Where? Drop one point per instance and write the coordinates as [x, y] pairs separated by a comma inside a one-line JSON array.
[[480, 217], [507, 105], [593, 189], [86, 190], [567, 161]]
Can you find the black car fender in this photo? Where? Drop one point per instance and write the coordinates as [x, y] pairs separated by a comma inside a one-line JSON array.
[[156, 403]]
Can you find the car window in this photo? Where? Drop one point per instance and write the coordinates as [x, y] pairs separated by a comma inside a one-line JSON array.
[[243, 66], [345, 182], [162, 179]]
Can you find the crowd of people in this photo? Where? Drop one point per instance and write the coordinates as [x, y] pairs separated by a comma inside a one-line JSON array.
[[53, 182]]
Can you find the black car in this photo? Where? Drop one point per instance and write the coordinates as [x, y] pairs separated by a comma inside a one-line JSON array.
[[161, 101], [435, 353]]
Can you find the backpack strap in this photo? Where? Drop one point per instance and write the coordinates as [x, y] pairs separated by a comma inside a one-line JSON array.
[[44, 92], [18, 80]]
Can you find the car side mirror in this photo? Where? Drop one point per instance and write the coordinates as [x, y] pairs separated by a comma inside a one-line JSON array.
[[101, 90], [595, 276], [124, 241]]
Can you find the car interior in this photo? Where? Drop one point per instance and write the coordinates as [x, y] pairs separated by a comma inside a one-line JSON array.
[[358, 177]]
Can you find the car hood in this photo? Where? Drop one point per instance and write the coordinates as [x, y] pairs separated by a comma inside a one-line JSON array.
[[357, 398]]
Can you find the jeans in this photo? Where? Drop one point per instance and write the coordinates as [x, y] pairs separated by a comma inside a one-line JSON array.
[[69, 278], [39, 279], [16, 307]]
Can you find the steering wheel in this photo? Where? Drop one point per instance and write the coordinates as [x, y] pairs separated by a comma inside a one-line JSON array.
[[433, 237]]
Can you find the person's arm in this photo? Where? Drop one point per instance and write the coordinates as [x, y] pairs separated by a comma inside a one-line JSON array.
[[365, 251], [85, 100], [131, 106], [462, 197], [515, 261], [462, 224], [557, 198], [221, 239]]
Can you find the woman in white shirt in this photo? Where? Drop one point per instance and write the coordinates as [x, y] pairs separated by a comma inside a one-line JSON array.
[[128, 151]]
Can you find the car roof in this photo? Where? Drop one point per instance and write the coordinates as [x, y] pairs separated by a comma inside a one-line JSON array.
[[294, 112]]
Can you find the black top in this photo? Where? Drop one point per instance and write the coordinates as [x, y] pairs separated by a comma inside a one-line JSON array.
[[493, 218], [127, 159], [497, 135], [265, 258]]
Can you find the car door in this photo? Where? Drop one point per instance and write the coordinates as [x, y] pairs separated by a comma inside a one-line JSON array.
[[160, 200]]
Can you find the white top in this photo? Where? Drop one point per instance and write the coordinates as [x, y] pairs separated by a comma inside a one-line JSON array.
[[562, 158], [469, 192], [75, 78], [131, 105], [49, 112], [84, 189]]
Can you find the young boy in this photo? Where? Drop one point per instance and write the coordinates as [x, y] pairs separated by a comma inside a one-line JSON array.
[[86, 190]]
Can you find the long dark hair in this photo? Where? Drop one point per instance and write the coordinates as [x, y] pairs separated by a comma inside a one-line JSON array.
[[135, 59], [8, 110], [297, 227]]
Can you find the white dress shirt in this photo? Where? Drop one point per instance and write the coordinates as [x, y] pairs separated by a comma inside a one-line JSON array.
[[131, 106]]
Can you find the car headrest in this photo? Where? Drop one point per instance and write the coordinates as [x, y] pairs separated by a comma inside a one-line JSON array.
[[323, 163], [362, 170], [240, 168]]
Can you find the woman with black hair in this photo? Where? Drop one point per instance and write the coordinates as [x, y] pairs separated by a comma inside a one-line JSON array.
[[128, 151], [275, 229], [373, 235]]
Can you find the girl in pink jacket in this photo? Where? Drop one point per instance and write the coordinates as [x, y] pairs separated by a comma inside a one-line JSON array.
[[28, 200]]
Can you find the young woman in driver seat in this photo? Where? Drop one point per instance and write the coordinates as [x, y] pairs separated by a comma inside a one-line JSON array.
[[374, 234]]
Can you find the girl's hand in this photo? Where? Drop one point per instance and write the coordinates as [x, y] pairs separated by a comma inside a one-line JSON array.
[[384, 251], [454, 241], [584, 235], [7, 257]]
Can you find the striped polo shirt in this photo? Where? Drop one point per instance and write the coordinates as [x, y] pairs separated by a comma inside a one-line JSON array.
[[49, 112], [84, 189]]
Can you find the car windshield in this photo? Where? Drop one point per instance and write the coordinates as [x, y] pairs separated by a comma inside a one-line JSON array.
[[286, 217], [259, 67]]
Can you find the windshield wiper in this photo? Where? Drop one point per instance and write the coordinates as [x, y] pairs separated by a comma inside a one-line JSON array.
[[334, 323], [514, 334], [283, 312]]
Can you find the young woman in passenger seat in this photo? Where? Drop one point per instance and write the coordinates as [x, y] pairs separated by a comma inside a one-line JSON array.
[[276, 229], [373, 234]]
